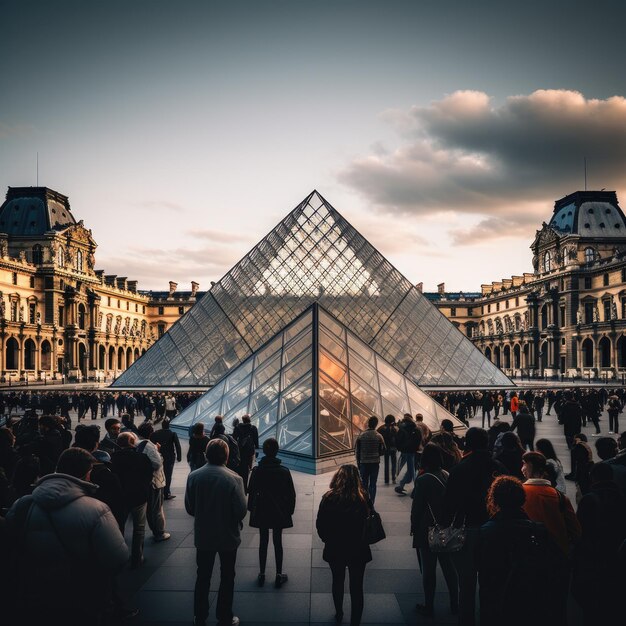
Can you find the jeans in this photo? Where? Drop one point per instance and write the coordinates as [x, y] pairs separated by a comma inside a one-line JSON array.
[[539, 411], [466, 564], [224, 609], [154, 512], [487, 413], [277, 539], [138, 514], [409, 476], [614, 421], [369, 476], [429, 574], [391, 458], [357, 572]]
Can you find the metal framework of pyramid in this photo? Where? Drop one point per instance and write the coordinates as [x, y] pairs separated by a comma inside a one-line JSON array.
[[313, 255], [313, 387]]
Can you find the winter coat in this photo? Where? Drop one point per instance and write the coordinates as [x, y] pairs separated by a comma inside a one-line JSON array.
[[524, 423], [389, 432], [340, 525], [428, 495], [68, 542], [467, 487], [170, 444], [247, 438], [196, 452], [135, 473], [571, 417], [215, 497], [271, 495]]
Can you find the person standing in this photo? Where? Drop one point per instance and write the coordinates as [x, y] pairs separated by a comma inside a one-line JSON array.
[[169, 447], [340, 525], [538, 404], [426, 511], [369, 447], [214, 496], [271, 502], [487, 406], [247, 437], [514, 404], [409, 439], [524, 423], [614, 409], [198, 442], [135, 473], [170, 406], [66, 541], [389, 430]]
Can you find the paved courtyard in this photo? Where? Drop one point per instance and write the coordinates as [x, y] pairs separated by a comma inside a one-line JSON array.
[[163, 587]]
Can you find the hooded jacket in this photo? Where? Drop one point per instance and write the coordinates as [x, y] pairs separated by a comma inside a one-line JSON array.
[[66, 539]]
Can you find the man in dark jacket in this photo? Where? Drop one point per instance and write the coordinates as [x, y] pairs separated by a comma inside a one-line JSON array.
[[67, 540], [113, 426], [170, 451], [215, 497], [571, 417], [465, 502], [247, 437], [135, 473], [409, 440], [524, 423]]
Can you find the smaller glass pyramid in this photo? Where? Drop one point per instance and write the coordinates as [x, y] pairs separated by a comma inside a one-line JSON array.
[[313, 387]]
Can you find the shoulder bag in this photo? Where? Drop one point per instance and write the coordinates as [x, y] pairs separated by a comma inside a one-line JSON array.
[[448, 538], [373, 530]]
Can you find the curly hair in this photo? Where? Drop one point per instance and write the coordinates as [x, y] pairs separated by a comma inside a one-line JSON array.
[[346, 485], [506, 492]]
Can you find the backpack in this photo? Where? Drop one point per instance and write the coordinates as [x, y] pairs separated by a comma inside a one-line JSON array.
[[234, 457]]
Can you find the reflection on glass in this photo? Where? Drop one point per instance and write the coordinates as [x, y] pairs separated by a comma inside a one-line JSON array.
[[297, 369], [332, 368]]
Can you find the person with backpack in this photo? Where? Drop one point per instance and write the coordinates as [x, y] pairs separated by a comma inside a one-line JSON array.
[[234, 455], [549, 506], [614, 409], [409, 440], [513, 552], [524, 423], [247, 437], [271, 502], [198, 442]]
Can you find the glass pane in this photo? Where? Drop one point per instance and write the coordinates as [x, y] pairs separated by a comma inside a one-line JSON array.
[[296, 370], [360, 414], [394, 395], [333, 396], [266, 371], [332, 368], [362, 369], [265, 394], [335, 347], [265, 420], [359, 347], [268, 351], [365, 395], [295, 395], [293, 430], [238, 375], [294, 349], [335, 432], [392, 375], [332, 325], [293, 330], [236, 395]]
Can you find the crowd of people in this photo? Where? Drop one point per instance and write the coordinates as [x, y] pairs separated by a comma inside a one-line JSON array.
[[497, 495]]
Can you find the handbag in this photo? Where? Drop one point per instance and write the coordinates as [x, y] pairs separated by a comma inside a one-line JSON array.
[[445, 539], [373, 530]]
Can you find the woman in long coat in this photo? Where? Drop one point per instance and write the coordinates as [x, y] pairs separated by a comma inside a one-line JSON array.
[[271, 502]]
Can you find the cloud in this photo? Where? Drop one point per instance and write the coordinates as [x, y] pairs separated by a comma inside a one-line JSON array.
[[222, 237], [158, 205], [466, 154]]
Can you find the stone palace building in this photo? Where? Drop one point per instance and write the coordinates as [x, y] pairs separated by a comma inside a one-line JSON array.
[[59, 316], [566, 318]]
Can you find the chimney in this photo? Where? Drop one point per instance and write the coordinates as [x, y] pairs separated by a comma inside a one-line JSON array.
[[173, 286], [441, 289], [420, 287], [121, 282], [100, 275], [132, 286], [194, 288], [109, 279]]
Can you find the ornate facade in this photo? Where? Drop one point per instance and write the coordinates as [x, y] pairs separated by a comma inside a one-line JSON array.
[[59, 316], [566, 318]]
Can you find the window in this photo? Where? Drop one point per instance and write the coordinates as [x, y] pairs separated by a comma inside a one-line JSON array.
[[605, 279], [160, 310], [119, 304], [506, 304], [61, 316], [32, 282], [108, 300], [517, 301], [589, 306], [470, 311], [562, 315], [14, 278], [127, 306], [488, 308], [624, 274], [32, 313], [181, 310], [161, 329], [547, 262], [143, 309], [61, 257], [79, 261], [587, 282], [452, 311], [497, 306], [14, 310], [37, 255], [136, 308], [590, 255], [607, 310], [624, 308]]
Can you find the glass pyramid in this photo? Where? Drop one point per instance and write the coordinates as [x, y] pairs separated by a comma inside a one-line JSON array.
[[313, 387], [313, 255]]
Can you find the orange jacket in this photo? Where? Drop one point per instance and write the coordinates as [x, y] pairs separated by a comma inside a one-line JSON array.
[[543, 504], [514, 404]]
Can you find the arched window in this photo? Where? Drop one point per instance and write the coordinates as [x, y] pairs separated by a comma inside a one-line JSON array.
[[81, 316], [61, 257], [547, 262], [590, 255], [79, 261]]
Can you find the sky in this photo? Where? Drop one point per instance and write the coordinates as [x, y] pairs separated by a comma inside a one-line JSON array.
[[183, 132]]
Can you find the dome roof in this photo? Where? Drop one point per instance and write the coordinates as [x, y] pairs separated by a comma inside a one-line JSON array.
[[32, 211], [589, 214]]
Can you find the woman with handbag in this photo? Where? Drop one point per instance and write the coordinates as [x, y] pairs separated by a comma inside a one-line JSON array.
[[427, 511], [341, 525], [271, 502]]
